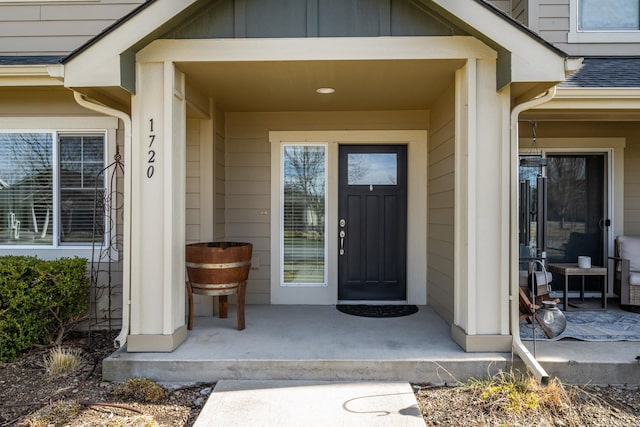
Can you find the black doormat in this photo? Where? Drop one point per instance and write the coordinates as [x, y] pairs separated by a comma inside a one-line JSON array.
[[377, 310]]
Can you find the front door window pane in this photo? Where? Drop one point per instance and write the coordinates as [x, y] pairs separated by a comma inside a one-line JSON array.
[[610, 15], [26, 189], [372, 169], [304, 178]]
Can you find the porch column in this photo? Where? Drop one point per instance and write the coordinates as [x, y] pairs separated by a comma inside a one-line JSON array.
[[158, 209], [481, 303]]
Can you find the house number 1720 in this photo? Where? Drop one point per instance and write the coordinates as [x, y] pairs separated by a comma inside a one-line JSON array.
[[151, 153]]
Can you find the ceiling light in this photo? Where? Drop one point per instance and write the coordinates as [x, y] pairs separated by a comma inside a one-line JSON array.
[[325, 90]]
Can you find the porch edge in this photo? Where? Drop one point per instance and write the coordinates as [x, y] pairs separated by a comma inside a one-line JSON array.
[[480, 343], [157, 343]]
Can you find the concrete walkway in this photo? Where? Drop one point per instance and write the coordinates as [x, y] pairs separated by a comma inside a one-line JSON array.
[[311, 404]]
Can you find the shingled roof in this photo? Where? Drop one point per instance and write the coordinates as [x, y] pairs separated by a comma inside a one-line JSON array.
[[30, 60], [609, 72]]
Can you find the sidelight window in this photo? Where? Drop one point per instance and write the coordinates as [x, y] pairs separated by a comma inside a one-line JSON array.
[[304, 211]]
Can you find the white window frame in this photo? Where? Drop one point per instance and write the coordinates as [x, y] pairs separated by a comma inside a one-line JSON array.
[[576, 36], [61, 126], [282, 209]]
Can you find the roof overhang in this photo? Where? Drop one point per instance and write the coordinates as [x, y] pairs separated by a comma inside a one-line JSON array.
[[525, 62], [590, 104], [524, 59], [31, 75]]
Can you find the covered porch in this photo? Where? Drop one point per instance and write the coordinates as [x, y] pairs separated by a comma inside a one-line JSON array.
[[206, 114], [321, 343]]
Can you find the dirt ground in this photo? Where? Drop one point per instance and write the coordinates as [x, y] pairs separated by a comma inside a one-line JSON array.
[[29, 396]]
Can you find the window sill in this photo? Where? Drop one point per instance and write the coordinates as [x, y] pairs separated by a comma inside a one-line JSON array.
[[604, 37], [49, 253]]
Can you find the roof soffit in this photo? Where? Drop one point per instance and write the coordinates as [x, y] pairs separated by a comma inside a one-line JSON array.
[[522, 56]]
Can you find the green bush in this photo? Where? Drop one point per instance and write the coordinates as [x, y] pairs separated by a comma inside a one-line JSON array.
[[38, 300]]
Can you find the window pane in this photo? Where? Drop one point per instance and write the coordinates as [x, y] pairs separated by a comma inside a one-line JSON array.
[[81, 161], [372, 169], [26, 189], [304, 214], [610, 15]]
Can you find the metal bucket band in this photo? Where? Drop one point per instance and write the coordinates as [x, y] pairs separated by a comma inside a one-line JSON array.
[[218, 266]]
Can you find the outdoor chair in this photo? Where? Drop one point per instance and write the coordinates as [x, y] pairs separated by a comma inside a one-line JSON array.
[[626, 279]]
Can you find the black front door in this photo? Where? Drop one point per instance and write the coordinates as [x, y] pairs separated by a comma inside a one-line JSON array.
[[372, 229]]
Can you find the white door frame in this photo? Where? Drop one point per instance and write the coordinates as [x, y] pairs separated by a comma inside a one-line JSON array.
[[416, 141]]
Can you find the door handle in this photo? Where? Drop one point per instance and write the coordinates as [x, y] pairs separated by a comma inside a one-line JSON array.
[[342, 236]]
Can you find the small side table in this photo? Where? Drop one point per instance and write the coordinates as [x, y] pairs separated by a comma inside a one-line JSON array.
[[572, 269]]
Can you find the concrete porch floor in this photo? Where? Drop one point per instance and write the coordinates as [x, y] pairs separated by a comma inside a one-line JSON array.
[[320, 343]]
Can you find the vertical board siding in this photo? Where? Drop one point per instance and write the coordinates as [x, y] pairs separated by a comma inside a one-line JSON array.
[[503, 5], [519, 11], [441, 174], [56, 28], [248, 173]]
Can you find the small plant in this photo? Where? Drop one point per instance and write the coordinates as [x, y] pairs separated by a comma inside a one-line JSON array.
[[140, 389], [55, 414], [511, 393], [61, 361]]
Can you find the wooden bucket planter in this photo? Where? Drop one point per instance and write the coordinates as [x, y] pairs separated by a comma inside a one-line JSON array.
[[218, 269]]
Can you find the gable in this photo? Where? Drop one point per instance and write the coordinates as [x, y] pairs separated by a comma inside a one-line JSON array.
[[109, 59], [319, 18]]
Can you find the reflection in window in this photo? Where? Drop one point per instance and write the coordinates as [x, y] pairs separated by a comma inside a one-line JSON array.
[[372, 169], [30, 178], [304, 178], [610, 15], [81, 161]]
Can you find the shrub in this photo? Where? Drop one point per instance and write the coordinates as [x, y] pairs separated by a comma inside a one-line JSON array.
[[140, 389], [39, 300]]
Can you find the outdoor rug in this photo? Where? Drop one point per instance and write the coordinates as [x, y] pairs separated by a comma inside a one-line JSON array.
[[591, 326], [377, 310]]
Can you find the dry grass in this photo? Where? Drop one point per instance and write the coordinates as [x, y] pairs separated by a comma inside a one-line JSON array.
[[503, 399], [140, 389], [60, 361]]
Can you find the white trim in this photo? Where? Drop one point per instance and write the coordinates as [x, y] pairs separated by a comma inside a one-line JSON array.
[[575, 36], [281, 281], [416, 141], [32, 75], [105, 126], [315, 49]]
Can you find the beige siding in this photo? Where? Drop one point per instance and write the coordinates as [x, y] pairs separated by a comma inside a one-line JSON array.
[[628, 130], [554, 24], [553, 21], [193, 179], [56, 28], [54, 103], [441, 173], [248, 169], [219, 204]]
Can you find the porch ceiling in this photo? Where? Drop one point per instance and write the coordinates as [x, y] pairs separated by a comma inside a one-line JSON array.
[[291, 85]]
